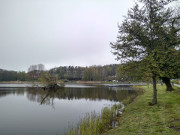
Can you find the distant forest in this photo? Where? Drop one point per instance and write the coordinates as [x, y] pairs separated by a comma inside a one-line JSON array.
[[69, 73]]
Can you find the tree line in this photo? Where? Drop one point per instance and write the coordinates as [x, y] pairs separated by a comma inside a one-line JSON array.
[[69, 73], [92, 73], [75, 73], [6, 75]]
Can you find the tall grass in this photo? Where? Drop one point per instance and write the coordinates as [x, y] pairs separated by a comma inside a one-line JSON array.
[[94, 124]]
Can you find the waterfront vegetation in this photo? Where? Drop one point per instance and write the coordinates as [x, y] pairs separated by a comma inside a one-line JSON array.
[[138, 117], [141, 118], [94, 124]]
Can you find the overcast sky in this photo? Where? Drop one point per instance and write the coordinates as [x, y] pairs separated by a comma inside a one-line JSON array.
[[58, 32]]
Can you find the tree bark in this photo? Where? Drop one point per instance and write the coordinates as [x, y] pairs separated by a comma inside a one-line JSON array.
[[154, 101], [168, 84]]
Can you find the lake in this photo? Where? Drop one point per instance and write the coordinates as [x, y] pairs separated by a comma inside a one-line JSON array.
[[32, 111]]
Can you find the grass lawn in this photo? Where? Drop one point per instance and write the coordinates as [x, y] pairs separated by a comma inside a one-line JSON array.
[[139, 118]]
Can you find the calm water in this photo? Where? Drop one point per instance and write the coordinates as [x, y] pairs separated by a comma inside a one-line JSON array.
[[30, 111]]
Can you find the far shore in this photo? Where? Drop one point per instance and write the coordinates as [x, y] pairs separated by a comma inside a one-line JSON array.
[[17, 82], [89, 82], [75, 82], [31, 82]]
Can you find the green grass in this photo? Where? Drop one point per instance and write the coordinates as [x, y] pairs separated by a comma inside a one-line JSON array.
[[139, 118]]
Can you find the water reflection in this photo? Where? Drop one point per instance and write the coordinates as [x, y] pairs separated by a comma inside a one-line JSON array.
[[29, 110], [93, 93], [7, 91]]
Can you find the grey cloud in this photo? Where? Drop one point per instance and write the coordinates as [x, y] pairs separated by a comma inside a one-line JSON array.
[[58, 32]]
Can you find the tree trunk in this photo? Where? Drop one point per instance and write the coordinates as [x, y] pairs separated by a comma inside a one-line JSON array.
[[154, 101], [168, 84]]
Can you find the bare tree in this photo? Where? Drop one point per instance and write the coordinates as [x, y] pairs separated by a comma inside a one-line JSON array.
[[39, 67]]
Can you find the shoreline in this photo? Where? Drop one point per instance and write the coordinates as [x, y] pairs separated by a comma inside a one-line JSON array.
[[17, 82], [107, 120], [140, 118]]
